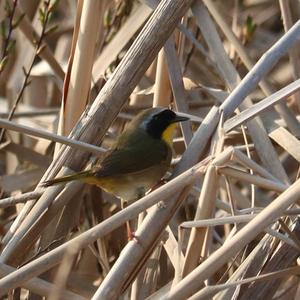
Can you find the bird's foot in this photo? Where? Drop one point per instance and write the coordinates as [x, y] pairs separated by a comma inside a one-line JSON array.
[[131, 236], [159, 184], [130, 233]]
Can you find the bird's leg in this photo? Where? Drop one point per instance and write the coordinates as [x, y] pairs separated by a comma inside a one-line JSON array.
[[158, 184], [140, 192], [130, 233]]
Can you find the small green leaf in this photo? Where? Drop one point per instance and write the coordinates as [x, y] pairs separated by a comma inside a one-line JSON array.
[[248, 29], [107, 18], [41, 16], [11, 45], [3, 29], [18, 21], [51, 29], [250, 25], [7, 8], [3, 63]]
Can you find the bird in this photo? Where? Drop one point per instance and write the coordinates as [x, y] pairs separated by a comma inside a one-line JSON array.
[[138, 159]]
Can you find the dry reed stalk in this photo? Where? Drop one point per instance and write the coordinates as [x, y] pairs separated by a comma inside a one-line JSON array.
[[241, 158], [139, 286], [162, 95], [261, 106], [217, 146], [199, 141], [237, 220], [66, 86], [256, 180], [177, 85], [287, 141], [205, 208], [211, 291], [153, 4], [171, 246], [4, 202], [80, 77], [217, 221], [52, 137]]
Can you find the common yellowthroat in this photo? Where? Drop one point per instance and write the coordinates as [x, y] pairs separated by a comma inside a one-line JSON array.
[[138, 160]]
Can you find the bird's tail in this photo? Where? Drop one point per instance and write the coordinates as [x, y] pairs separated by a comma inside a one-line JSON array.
[[78, 176]]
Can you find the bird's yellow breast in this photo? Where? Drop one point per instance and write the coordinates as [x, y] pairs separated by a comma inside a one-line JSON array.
[[168, 133]]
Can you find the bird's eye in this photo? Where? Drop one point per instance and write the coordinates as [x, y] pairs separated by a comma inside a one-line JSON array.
[[168, 114]]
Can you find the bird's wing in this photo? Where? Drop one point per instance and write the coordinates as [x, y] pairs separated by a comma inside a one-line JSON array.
[[133, 159]]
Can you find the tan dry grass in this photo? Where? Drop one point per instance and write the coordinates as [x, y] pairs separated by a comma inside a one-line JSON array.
[[226, 224]]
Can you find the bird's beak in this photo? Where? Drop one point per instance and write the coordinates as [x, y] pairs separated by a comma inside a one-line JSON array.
[[180, 119]]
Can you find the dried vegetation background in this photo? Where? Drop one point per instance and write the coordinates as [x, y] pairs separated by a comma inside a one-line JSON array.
[[225, 225]]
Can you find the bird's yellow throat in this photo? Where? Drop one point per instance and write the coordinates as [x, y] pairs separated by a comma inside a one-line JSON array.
[[168, 133]]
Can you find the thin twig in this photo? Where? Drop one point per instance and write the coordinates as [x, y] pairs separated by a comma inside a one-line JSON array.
[[5, 202], [48, 9], [11, 26], [52, 137]]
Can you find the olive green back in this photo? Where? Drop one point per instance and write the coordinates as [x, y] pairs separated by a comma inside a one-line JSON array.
[[134, 151]]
